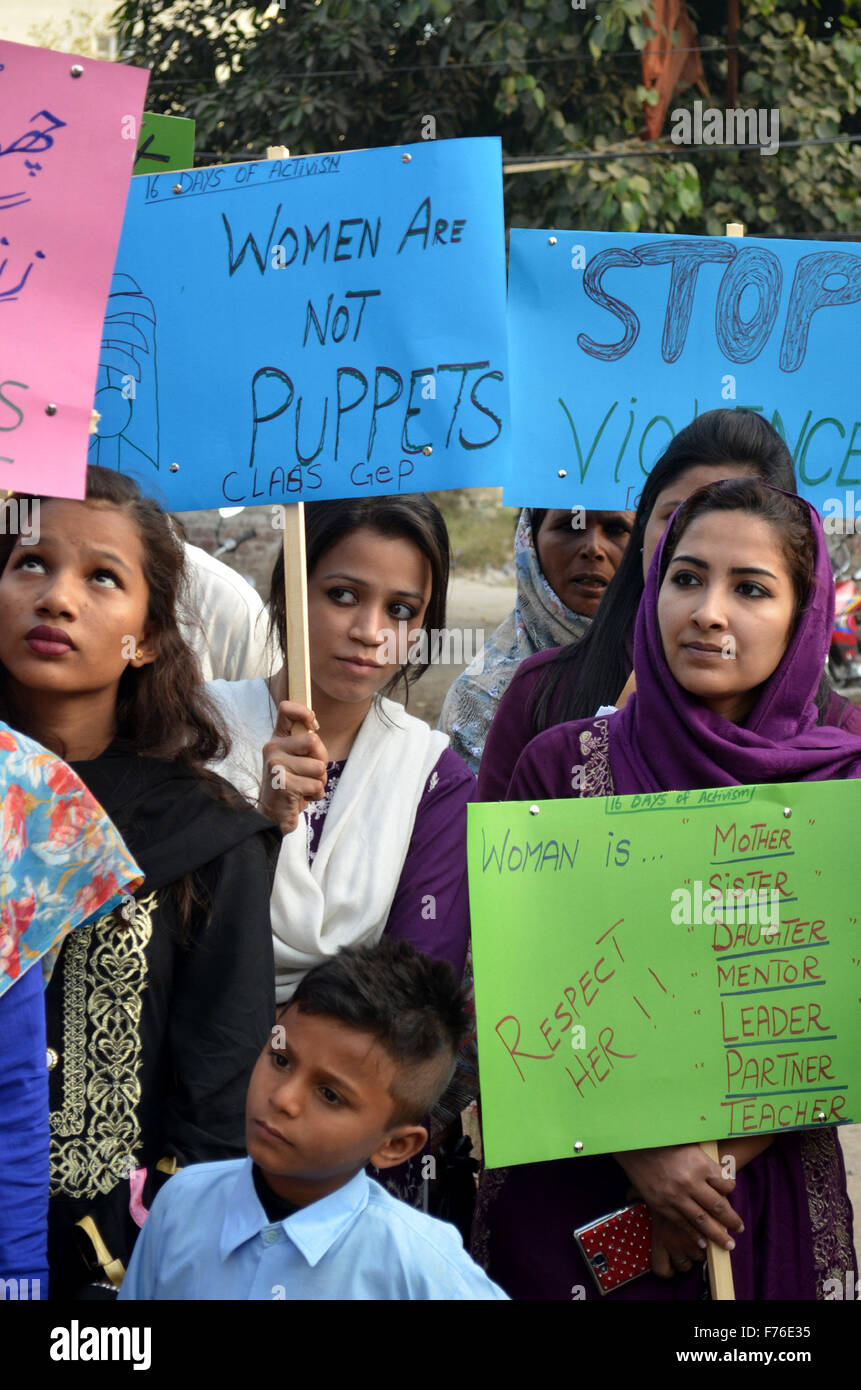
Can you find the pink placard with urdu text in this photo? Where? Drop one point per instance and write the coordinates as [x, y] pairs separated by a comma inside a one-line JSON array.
[[68, 136]]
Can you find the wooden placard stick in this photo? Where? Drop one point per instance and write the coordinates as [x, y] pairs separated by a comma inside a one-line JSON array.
[[295, 575], [296, 604], [719, 1263], [627, 689]]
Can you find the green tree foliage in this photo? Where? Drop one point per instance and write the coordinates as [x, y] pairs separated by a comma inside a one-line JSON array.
[[553, 78]]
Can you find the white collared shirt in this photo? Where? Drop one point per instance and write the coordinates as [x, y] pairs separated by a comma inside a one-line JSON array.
[[208, 1237]]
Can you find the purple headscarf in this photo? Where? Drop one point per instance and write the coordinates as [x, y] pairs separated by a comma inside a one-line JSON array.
[[666, 739]]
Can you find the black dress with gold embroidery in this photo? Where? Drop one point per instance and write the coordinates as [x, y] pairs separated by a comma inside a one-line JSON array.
[[155, 1023]]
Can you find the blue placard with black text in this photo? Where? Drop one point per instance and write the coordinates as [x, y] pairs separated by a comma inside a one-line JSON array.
[[319, 327], [619, 339]]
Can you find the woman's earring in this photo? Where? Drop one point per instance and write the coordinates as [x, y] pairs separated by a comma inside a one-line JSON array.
[[139, 655]]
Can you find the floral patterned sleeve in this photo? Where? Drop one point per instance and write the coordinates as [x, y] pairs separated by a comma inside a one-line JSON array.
[[61, 861], [61, 858]]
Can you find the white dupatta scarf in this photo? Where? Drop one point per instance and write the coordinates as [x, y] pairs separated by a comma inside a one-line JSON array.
[[344, 896]]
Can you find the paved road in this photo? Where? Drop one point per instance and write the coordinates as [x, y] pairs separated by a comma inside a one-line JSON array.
[[475, 608]]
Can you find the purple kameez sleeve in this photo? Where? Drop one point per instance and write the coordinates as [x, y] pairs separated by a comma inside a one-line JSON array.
[[543, 769], [512, 727], [431, 903]]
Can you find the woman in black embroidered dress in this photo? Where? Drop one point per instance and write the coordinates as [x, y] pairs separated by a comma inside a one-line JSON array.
[[157, 1011]]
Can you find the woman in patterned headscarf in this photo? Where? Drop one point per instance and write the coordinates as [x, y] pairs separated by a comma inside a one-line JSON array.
[[564, 561]]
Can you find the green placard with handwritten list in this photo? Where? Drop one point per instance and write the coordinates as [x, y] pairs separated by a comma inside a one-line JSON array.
[[665, 968]]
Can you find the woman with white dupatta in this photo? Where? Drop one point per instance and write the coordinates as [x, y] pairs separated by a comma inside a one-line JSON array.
[[371, 801]]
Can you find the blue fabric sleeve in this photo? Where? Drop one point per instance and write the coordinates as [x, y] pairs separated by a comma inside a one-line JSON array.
[[24, 1136]]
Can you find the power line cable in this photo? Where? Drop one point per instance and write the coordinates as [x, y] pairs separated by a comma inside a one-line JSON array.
[[450, 68]]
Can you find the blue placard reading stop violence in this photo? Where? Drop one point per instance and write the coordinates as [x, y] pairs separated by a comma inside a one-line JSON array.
[[618, 340], [327, 326]]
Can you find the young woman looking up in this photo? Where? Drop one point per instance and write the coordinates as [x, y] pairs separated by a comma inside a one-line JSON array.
[[574, 681], [743, 568], [157, 1010], [564, 560]]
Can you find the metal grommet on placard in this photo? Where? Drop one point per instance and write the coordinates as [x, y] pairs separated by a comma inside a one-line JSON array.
[[177, 188], [578, 1147], [787, 811], [174, 468], [819, 1115], [534, 810], [551, 241], [428, 449], [405, 158], [76, 70], [562, 472], [50, 409]]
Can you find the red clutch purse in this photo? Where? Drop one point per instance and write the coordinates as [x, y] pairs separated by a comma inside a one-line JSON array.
[[617, 1248]]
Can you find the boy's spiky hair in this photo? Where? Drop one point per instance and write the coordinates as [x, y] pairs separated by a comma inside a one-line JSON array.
[[411, 1004]]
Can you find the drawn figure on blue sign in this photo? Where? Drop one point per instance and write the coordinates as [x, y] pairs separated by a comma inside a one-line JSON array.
[[127, 371]]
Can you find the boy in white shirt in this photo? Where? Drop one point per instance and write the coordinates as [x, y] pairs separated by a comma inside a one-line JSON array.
[[358, 1057]]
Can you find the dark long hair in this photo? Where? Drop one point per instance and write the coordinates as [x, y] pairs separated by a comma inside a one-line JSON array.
[[600, 663], [163, 710], [415, 518]]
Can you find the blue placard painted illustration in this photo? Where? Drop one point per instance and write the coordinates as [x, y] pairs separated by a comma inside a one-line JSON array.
[[327, 326], [618, 340]]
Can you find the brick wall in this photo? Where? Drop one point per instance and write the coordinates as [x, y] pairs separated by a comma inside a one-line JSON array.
[[255, 557]]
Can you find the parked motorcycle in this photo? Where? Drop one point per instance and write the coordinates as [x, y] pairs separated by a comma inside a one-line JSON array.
[[844, 660]]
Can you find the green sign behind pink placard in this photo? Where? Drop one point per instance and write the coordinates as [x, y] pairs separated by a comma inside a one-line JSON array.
[[668, 968]]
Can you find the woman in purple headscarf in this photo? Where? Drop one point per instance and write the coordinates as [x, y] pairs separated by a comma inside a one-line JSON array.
[[742, 573]]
